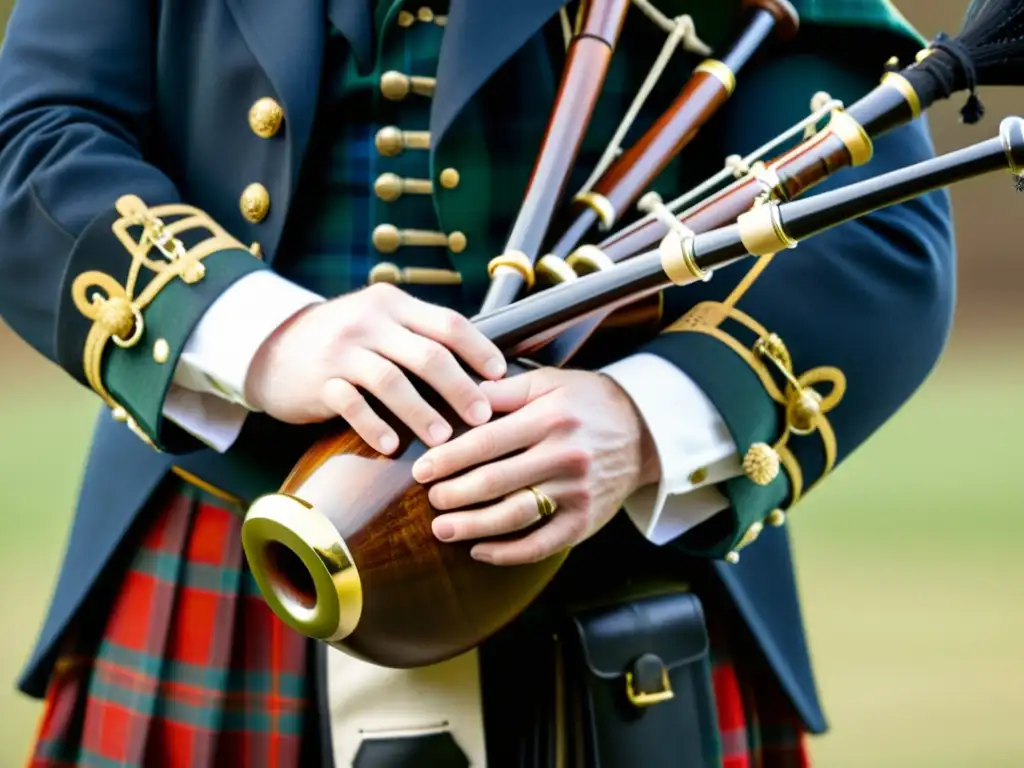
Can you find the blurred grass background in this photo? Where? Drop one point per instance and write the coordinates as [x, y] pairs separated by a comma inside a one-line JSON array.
[[908, 556]]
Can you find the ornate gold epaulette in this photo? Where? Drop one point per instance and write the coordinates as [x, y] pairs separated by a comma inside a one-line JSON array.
[[115, 309], [805, 407]]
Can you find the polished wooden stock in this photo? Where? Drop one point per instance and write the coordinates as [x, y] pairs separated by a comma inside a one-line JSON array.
[[422, 601], [413, 600], [587, 60], [708, 88]]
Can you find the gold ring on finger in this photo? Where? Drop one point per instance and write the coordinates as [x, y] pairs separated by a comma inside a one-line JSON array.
[[546, 506]]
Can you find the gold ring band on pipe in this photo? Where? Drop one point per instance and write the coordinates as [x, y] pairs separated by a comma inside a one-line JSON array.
[[761, 231], [856, 140], [601, 205], [720, 72], [906, 90], [516, 260]]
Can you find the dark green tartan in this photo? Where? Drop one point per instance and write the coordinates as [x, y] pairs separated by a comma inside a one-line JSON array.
[[327, 245]]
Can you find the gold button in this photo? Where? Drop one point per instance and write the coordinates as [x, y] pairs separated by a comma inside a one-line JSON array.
[[425, 15], [255, 203], [405, 19], [386, 238], [698, 476], [777, 518], [390, 186], [385, 272], [395, 86], [265, 118], [449, 178], [390, 141], [803, 412], [456, 242], [161, 351]]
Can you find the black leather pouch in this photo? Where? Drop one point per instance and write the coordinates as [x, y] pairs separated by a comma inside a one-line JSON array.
[[638, 684]]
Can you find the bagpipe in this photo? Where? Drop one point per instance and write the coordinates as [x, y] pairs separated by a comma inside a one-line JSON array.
[[345, 554]]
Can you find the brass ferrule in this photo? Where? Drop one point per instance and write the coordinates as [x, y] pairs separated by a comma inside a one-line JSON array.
[[906, 90], [677, 260], [761, 231], [554, 270], [283, 526], [587, 259], [853, 136], [1011, 131], [517, 261], [601, 205], [720, 72]]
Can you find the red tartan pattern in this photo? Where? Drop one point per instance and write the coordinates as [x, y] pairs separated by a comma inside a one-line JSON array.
[[194, 671]]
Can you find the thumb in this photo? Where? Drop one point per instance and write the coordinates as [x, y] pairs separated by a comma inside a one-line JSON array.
[[512, 393]]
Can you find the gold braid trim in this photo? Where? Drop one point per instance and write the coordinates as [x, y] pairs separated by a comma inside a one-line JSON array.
[[805, 407], [116, 310]]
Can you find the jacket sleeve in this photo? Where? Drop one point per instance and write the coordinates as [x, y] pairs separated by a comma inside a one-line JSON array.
[[857, 316], [103, 269]]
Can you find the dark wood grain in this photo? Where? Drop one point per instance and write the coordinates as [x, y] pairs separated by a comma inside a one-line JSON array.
[[583, 77], [801, 168]]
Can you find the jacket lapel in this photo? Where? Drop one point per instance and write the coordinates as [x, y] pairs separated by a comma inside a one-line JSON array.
[[481, 36], [287, 38]]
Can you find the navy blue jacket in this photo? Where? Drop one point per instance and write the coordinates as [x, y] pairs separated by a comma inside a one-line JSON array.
[[92, 107]]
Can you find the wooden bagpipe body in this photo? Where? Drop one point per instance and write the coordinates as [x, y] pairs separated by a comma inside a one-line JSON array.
[[345, 553]]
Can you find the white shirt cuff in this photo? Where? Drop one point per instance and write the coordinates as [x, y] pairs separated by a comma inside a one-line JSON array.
[[206, 397], [210, 418], [694, 447]]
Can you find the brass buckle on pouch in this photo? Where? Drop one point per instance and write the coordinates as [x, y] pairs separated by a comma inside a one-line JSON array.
[[645, 699]]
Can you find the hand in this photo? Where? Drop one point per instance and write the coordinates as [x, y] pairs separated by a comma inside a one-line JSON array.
[[309, 368], [574, 434]]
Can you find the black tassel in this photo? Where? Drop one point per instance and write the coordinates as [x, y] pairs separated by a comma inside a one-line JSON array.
[[989, 50], [972, 111]]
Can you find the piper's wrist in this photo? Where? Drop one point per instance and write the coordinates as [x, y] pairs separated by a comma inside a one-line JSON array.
[[643, 450], [260, 376]]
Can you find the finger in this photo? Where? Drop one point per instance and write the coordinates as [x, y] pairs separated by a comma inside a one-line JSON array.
[[344, 399], [458, 334], [482, 444], [513, 393], [389, 384], [437, 366], [515, 512], [565, 529], [492, 481]]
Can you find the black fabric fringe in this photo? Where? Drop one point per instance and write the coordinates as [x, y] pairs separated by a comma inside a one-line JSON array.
[[989, 50]]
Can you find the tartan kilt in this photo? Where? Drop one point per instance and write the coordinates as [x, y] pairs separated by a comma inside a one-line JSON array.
[[188, 668]]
